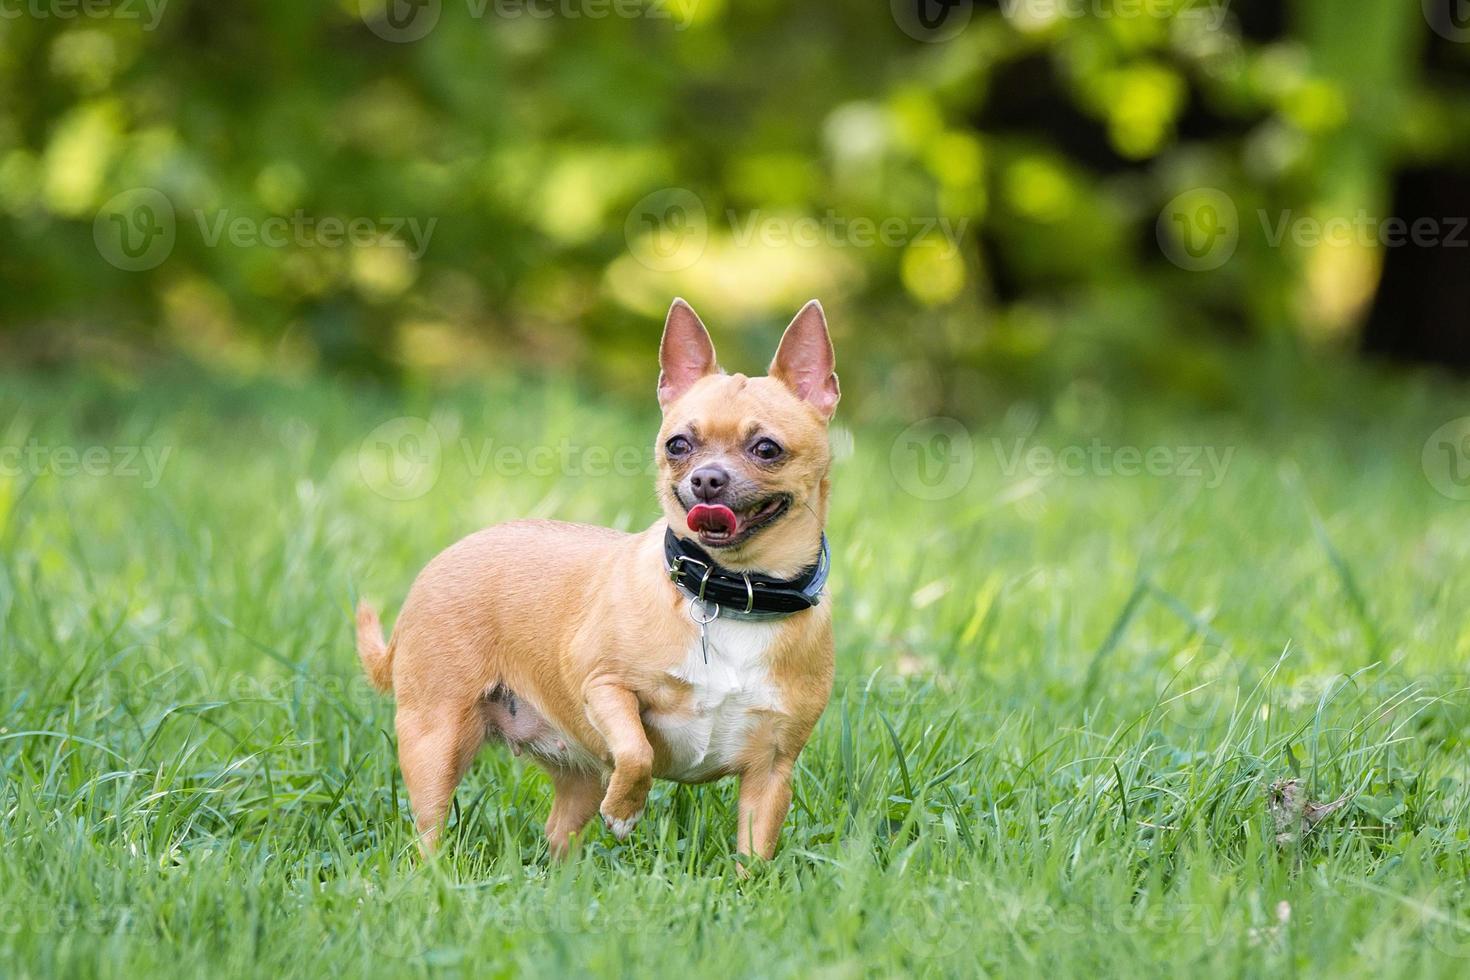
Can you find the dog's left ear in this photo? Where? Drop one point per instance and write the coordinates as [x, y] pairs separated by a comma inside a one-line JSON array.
[[804, 362]]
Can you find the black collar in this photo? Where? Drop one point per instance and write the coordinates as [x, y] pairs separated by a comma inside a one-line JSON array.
[[699, 576]]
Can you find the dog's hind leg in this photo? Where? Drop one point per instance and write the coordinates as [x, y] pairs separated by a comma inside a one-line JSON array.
[[577, 796], [435, 747]]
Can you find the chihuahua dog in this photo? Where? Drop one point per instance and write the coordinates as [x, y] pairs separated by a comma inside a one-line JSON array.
[[697, 649]]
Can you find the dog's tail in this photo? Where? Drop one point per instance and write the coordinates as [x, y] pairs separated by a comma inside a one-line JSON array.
[[376, 656]]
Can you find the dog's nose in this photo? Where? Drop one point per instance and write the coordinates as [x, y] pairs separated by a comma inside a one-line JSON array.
[[708, 481]]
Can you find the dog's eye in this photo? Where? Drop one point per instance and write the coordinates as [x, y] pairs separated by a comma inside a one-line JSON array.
[[678, 446], [766, 449]]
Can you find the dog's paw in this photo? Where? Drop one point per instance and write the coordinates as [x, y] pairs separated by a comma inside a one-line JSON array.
[[621, 827]]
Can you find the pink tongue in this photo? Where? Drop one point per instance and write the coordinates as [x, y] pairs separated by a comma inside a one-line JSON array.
[[712, 517]]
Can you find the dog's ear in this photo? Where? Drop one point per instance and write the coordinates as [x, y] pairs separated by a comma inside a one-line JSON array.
[[685, 355], [805, 360]]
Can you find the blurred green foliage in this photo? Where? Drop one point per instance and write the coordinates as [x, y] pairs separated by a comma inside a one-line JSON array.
[[546, 152]]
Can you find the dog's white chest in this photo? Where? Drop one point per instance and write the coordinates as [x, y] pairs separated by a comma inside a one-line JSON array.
[[727, 697]]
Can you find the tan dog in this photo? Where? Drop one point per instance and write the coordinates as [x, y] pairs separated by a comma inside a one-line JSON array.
[[576, 645]]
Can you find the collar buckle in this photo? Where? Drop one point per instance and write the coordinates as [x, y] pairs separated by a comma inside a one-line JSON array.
[[675, 567]]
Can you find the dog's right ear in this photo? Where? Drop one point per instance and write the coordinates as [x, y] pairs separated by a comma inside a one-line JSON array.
[[685, 355]]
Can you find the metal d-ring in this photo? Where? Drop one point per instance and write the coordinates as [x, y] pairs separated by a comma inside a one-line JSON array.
[[710, 617], [695, 603], [749, 593]]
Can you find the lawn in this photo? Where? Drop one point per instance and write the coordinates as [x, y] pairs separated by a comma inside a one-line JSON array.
[[1074, 653]]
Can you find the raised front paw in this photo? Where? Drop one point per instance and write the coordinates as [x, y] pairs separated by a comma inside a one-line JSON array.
[[621, 815]]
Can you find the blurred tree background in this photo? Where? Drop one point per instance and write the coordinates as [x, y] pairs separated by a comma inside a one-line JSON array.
[[1057, 178]]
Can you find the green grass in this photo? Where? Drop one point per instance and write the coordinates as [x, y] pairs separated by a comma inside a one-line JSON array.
[[1059, 702]]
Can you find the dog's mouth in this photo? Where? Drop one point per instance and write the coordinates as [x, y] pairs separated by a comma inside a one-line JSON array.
[[718, 526]]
